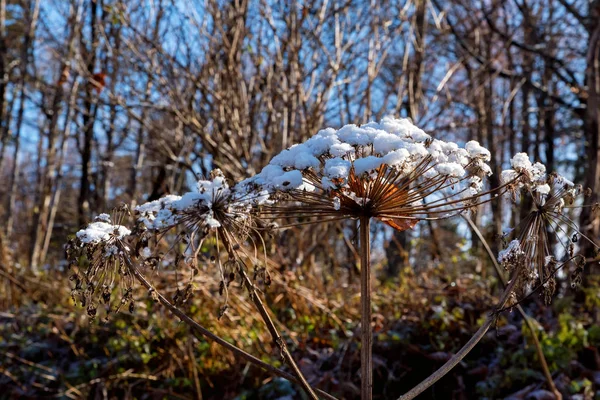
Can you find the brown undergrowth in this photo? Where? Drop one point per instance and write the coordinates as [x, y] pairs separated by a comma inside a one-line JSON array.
[[50, 348]]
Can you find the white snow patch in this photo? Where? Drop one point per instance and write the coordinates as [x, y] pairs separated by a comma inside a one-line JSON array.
[[97, 232]]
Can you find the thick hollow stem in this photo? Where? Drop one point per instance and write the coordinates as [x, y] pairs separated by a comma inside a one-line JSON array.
[[462, 353], [277, 339], [199, 330], [366, 351], [526, 319]]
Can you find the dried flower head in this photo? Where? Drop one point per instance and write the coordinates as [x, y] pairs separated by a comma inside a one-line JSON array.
[[524, 175], [96, 256], [389, 170], [215, 216], [546, 238], [214, 205]]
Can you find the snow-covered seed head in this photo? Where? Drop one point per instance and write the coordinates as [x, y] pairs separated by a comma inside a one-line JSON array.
[[216, 226], [213, 206], [390, 170], [525, 175], [548, 234], [96, 256]]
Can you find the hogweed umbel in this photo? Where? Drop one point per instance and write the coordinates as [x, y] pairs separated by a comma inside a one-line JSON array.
[[220, 217], [531, 258], [106, 253], [215, 216], [545, 241], [391, 171], [96, 257]]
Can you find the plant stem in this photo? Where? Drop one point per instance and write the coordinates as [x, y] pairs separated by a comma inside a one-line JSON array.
[[202, 331], [462, 353], [526, 319], [277, 339], [366, 351]]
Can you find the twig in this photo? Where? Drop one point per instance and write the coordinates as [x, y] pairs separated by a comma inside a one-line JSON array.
[[202, 331], [366, 350], [124, 375], [275, 335], [194, 369], [4, 272], [285, 353], [526, 319], [32, 364], [13, 378]]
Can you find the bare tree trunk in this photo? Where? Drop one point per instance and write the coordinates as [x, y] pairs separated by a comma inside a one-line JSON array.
[[88, 118], [590, 223], [397, 253], [25, 58], [140, 151], [20, 90], [485, 117], [398, 250], [5, 125], [40, 227], [12, 196], [546, 122], [495, 162], [55, 201], [416, 66], [510, 126], [3, 80], [112, 140], [528, 67]]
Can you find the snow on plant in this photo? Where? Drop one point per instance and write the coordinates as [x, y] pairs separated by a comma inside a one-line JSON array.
[[390, 170], [215, 215], [214, 212], [96, 256], [213, 205], [532, 256], [213, 224]]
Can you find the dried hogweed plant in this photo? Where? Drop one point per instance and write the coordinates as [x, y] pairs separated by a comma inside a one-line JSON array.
[[212, 225], [385, 170], [208, 226], [221, 215], [545, 241], [97, 261], [391, 171]]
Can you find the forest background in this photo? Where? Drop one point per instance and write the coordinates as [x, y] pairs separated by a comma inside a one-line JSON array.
[[104, 102]]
